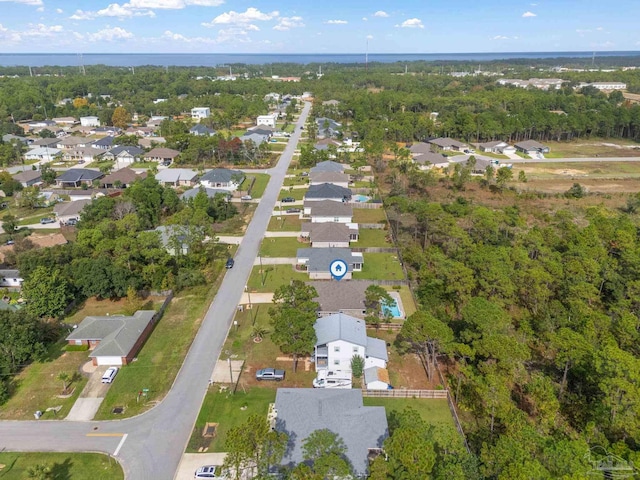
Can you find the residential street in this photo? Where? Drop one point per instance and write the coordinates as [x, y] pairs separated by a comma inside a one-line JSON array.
[[150, 445]]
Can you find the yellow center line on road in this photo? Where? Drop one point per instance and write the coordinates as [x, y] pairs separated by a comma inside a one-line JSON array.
[[105, 434]]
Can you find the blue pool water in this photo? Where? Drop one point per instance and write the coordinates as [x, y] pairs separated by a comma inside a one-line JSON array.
[[360, 198], [393, 309]]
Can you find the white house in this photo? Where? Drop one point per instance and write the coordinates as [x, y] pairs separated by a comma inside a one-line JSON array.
[[340, 337], [268, 120], [198, 113], [90, 121], [44, 154], [328, 211], [222, 178], [10, 278], [497, 147]]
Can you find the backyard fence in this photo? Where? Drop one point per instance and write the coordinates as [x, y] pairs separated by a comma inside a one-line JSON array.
[[405, 393], [375, 250], [373, 226], [365, 205]]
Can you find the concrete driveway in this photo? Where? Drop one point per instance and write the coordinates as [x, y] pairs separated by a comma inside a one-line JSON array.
[[192, 461], [91, 397]]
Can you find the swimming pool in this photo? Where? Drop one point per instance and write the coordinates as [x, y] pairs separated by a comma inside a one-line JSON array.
[[360, 198], [392, 309]]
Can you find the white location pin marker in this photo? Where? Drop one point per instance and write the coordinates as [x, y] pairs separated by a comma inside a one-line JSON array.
[[338, 269]]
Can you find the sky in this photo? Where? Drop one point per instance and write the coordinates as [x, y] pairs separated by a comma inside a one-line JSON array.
[[325, 26]]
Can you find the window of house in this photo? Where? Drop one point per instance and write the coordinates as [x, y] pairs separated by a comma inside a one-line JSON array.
[[355, 349], [336, 219], [336, 349], [336, 362]]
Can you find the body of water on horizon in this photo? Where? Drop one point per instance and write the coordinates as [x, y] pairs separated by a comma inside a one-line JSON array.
[[217, 59]]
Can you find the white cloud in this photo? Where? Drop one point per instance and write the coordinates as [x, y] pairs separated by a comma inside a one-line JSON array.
[[123, 11], [287, 23], [232, 17], [41, 30], [500, 37], [411, 23], [59, 10], [364, 19], [369, 37], [40, 9], [381, 14], [528, 15], [173, 4], [336, 22], [178, 37], [599, 29], [9, 36], [82, 15], [25, 2], [110, 35], [141, 8]]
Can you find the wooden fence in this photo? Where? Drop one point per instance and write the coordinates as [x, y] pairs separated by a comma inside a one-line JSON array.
[[402, 393], [364, 205], [375, 250], [373, 226]]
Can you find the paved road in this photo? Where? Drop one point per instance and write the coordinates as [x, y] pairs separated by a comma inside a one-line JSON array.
[[155, 440]]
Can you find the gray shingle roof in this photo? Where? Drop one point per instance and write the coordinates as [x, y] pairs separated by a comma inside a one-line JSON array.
[[301, 411], [530, 145], [420, 147], [201, 129], [27, 176], [340, 326], [319, 259], [430, 158], [447, 142], [327, 190], [324, 208], [343, 295], [329, 177], [221, 175], [376, 374], [328, 166], [70, 208], [328, 232], [78, 175], [117, 335], [131, 150], [210, 192], [173, 175]]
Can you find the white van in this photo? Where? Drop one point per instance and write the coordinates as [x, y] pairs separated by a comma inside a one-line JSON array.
[[109, 375], [332, 379]]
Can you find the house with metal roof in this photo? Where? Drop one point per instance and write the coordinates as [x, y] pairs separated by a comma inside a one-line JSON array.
[[222, 178], [113, 339], [340, 337], [330, 234], [327, 191], [316, 261], [328, 211], [176, 177], [76, 177], [301, 411], [328, 166], [335, 178]]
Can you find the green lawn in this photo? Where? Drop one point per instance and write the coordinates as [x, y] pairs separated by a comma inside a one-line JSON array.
[[274, 276], [286, 223], [36, 218], [297, 180], [434, 411], [76, 466], [162, 355], [100, 163], [226, 409], [380, 266], [369, 237], [364, 184], [289, 128], [297, 193], [37, 387], [366, 215], [262, 179], [281, 246], [144, 164], [277, 147]]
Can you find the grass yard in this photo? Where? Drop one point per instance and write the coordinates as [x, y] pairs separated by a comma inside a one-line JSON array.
[[37, 388], [281, 246], [297, 180], [578, 170], [297, 193], [162, 355], [36, 218], [144, 164], [434, 411], [290, 128], [277, 147], [229, 410], [602, 147], [380, 266], [369, 237], [101, 163], [274, 276], [262, 179], [76, 466], [94, 306], [369, 215], [285, 223]]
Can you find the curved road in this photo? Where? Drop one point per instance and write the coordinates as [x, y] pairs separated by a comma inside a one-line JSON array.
[[150, 445]]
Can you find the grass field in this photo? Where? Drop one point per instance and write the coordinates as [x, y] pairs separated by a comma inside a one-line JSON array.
[[162, 355], [64, 466], [590, 147], [380, 266], [281, 246], [35, 218], [366, 215], [297, 180], [262, 179], [37, 388], [287, 223], [434, 411], [297, 193], [274, 276], [579, 170], [277, 147], [369, 237]]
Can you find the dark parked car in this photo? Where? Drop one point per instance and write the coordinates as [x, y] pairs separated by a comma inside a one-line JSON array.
[[230, 263], [288, 199], [293, 210]]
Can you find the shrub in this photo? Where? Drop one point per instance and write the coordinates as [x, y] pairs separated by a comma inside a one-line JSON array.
[[76, 348]]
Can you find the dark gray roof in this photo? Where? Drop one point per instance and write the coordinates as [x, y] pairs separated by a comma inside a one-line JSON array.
[[420, 147], [131, 150], [324, 208], [328, 166], [117, 335], [376, 348], [321, 258], [301, 411], [261, 130], [70, 208], [447, 142], [329, 177], [27, 175], [530, 145], [332, 124], [79, 174], [103, 142], [340, 326], [201, 129], [328, 232], [327, 190], [221, 175], [343, 295], [429, 158], [210, 192]]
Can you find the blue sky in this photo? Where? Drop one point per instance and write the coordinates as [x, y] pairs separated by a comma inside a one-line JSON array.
[[329, 26]]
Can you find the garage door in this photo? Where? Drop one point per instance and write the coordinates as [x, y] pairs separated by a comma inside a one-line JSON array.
[[110, 361]]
